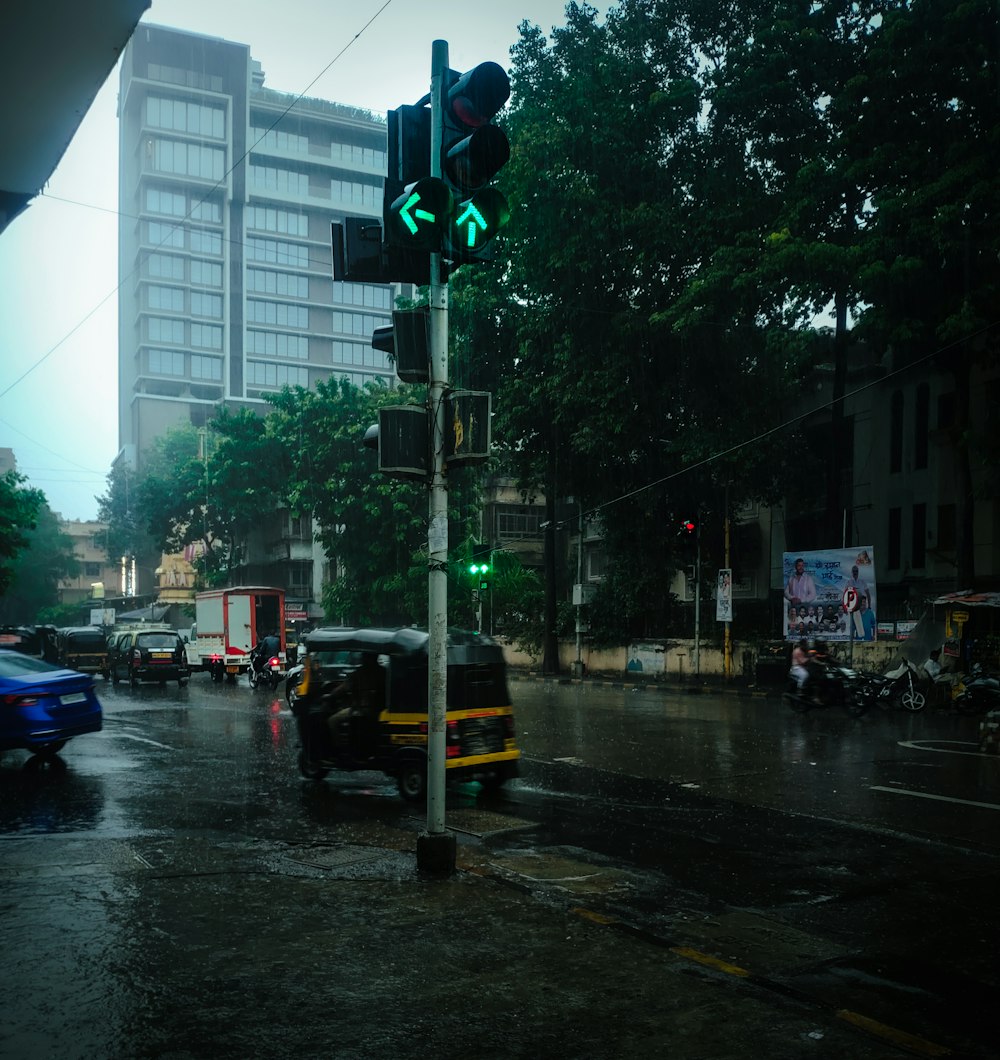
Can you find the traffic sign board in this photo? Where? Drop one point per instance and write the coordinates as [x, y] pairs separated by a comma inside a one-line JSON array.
[[852, 599]]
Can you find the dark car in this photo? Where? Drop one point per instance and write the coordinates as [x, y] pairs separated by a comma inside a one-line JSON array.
[[149, 655], [42, 705]]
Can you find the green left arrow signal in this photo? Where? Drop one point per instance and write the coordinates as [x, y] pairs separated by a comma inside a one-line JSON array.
[[417, 218]]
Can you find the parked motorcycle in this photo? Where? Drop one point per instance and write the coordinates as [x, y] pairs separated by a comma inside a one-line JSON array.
[[265, 673], [978, 693], [829, 685], [900, 687]]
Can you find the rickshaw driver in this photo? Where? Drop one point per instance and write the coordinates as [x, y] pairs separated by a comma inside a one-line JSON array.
[[362, 694]]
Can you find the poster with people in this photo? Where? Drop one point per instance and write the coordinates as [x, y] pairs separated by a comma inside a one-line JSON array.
[[830, 594]]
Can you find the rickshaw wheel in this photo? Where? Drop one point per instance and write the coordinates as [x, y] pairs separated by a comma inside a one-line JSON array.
[[412, 781], [311, 769]]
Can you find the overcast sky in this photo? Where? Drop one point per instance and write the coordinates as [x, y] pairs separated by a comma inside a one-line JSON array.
[[59, 260]]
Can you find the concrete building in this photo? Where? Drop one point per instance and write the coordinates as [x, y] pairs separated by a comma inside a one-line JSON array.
[[227, 192], [97, 578]]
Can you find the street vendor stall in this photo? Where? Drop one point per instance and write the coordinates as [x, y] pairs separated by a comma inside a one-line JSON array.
[[971, 628]]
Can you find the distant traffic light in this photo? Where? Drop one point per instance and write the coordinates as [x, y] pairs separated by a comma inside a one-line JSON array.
[[689, 526]]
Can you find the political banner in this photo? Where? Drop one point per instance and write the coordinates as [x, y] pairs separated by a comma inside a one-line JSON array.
[[724, 596], [830, 594]]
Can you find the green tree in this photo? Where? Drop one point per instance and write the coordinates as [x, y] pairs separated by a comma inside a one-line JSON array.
[[120, 509], [19, 509], [36, 571]]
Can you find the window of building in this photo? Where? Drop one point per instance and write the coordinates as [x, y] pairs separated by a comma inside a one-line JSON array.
[[356, 193], [166, 362], [207, 336], [164, 235], [363, 294], [279, 313], [922, 425], [204, 304], [278, 344], [357, 323], [946, 530], [946, 410], [177, 115], [300, 577], [209, 368], [278, 140], [359, 156], [896, 432], [919, 536], [159, 200], [91, 570], [514, 521], [273, 178], [206, 273], [165, 267], [168, 298], [275, 375], [894, 551], [351, 353], [283, 283], [270, 219], [359, 379], [278, 253], [206, 210], [596, 564], [188, 160], [163, 329], [206, 242]]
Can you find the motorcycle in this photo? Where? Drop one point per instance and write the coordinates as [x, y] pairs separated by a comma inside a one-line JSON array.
[[265, 673], [897, 688], [829, 685], [978, 693]]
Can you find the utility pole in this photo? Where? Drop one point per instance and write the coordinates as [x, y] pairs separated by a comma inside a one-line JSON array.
[[697, 596], [728, 655]]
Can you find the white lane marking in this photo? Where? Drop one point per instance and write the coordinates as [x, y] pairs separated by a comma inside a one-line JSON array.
[[142, 739], [937, 798], [924, 745]]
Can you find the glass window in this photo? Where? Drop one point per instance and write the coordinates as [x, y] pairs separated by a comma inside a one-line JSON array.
[[283, 283], [164, 235], [276, 375], [356, 193], [206, 305], [166, 362], [165, 267], [189, 160], [206, 210], [178, 115], [896, 432], [207, 273], [276, 179], [205, 242], [270, 219], [895, 533], [171, 298], [209, 368], [208, 336], [357, 323], [277, 253], [362, 294], [162, 329], [279, 313], [159, 200], [277, 344], [279, 140]]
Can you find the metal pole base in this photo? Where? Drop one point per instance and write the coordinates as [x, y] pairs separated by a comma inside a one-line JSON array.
[[577, 668], [436, 853]]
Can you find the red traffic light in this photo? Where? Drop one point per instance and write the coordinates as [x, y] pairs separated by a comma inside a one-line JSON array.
[[688, 525]]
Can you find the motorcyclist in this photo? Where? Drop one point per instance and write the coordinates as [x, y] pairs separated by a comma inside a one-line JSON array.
[[798, 669], [267, 648], [816, 663]]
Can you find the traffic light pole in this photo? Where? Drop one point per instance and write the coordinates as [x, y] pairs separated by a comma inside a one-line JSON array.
[[436, 848]]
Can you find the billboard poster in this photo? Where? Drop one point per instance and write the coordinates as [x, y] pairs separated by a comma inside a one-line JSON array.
[[724, 596], [830, 594]]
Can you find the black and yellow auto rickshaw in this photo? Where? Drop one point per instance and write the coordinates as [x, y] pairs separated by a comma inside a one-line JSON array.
[[361, 703], [83, 648]]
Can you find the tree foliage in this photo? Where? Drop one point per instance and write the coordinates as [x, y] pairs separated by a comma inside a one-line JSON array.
[[19, 512], [36, 571]]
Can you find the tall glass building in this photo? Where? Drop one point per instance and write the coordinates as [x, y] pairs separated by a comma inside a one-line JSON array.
[[227, 191]]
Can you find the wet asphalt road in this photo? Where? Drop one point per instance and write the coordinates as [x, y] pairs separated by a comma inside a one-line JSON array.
[[854, 863]]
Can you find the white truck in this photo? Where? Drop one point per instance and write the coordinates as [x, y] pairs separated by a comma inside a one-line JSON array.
[[230, 622]]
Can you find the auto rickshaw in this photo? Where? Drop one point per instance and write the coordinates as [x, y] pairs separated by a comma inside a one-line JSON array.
[[83, 648], [361, 703]]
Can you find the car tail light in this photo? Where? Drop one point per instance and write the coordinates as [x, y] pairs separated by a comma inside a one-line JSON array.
[[274, 663], [453, 735], [20, 701]]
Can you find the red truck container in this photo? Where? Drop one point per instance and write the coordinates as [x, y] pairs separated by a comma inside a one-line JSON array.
[[231, 621]]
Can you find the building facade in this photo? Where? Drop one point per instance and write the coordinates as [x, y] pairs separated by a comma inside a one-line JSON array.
[[227, 192]]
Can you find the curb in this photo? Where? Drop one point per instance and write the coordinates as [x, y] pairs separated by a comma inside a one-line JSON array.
[[651, 686]]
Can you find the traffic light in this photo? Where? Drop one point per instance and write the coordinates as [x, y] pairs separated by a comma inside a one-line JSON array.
[[472, 153], [480, 565], [688, 526], [407, 341], [402, 440]]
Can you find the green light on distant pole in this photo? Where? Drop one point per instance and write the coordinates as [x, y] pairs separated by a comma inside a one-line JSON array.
[[479, 568]]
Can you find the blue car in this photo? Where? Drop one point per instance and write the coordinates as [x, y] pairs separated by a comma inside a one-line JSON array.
[[43, 705]]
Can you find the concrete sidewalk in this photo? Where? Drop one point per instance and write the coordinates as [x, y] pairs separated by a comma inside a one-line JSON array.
[[184, 947]]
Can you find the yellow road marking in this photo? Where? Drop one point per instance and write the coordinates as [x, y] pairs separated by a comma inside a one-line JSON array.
[[709, 961], [921, 1046]]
